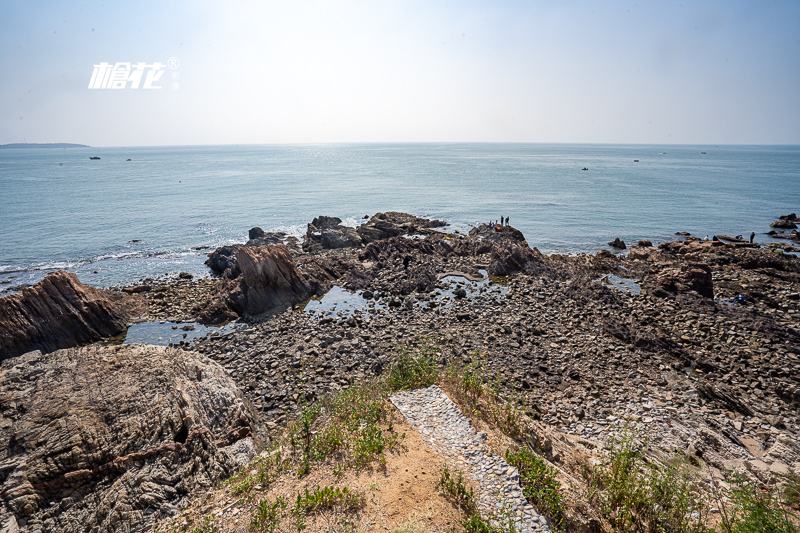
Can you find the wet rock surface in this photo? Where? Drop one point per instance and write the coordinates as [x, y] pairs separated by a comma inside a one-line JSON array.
[[112, 438], [59, 312]]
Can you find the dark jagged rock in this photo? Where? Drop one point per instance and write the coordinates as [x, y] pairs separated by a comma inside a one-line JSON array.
[[784, 224], [327, 233], [392, 224], [645, 243], [618, 244], [421, 278], [222, 258], [259, 237], [119, 435], [512, 257], [61, 312], [690, 277]]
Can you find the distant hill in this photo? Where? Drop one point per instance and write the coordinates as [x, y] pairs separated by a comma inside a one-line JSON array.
[[44, 145]]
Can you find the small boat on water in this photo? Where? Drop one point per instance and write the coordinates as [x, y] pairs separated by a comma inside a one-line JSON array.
[[127, 160], [635, 160], [94, 157], [702, 152], [585, 168]]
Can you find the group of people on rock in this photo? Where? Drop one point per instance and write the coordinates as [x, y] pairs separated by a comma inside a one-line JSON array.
[[503, 222]]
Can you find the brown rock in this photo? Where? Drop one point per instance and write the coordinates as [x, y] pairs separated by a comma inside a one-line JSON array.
[[269, 279], [512, 257], [123, 431], [60, 312]]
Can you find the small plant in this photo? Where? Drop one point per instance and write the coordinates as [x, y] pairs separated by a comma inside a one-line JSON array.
[[756, 510], [372, 442], [209, 525], [266, 516], [413, 368], [458, 491], [328, 498], [635, 494], [791, 491], [475, 524], [539, 484]]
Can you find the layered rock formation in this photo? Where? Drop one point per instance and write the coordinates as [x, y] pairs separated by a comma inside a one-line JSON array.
[[268, 281], [106, 439], [59, 312]]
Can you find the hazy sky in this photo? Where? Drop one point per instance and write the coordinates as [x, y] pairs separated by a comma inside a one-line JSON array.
[[696, 72]]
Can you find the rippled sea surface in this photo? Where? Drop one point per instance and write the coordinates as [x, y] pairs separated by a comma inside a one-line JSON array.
[[114, 221]]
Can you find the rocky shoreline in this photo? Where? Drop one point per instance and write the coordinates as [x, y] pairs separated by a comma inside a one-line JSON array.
[[698, 341]]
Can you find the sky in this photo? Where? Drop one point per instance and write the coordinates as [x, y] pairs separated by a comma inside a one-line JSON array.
[[263, 72]]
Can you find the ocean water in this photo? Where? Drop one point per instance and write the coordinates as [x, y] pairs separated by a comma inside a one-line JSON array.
[[114, 221]]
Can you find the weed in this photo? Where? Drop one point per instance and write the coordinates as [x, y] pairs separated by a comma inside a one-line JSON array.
[[791, 491], [475, 524], [458, 491], [209, 525], [324, 499], [539, 484], [637, 495], [413, 368], [756, 511], [267, 515]]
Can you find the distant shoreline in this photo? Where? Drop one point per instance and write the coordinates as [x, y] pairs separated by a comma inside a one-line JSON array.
[[44, 145]]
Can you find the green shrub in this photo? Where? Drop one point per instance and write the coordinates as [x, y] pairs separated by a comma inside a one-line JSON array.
[[458, 491], [414, 367], [637, 495], [756, 510], [791, 491], [266, 516], [539, 484]]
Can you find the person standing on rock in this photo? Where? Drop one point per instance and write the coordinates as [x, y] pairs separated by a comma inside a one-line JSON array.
[[506, 221], [752, 236]]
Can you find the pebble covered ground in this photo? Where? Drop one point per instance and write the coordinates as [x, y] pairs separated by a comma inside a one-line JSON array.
[[444, 428]]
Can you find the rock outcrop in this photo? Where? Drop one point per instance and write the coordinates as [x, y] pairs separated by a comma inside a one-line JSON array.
[[618, 243], [691, 276], [392, 224], [512, 257], [268, 281], [106, 439], [61, 312], [222, 258], [327, 233]]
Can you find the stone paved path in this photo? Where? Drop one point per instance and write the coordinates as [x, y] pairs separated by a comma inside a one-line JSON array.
[[450, 434]]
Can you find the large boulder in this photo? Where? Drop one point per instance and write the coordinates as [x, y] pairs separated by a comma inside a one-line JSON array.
[[61, 312], [269, 279], [268, 282], [104, 439]]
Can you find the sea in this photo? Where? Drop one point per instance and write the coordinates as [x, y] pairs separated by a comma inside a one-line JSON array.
[[147, 212]]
